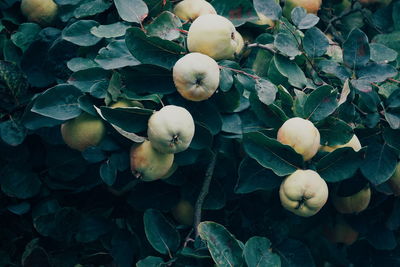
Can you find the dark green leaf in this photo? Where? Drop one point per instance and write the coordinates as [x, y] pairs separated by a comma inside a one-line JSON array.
[[132, 10], [166, 26], [294, 253], [151, 261], [91, 8], [269, 8], [303, 20], [356, 51], [59, 102], [19, 182], [161, 234], [117, 29], [257, 252], [238, 12], [79, 33], [271, 154], [334, 132], [12, 132], [382, 54], [321, 103], [26, 34], [223, 246], [123, 248], [108, 173], [115, 55], [286, 44], [315, 42]]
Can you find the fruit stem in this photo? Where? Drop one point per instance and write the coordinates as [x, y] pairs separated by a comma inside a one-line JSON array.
[[204, 191]]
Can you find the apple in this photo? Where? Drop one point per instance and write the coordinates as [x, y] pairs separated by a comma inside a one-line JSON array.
[[354, 143], [83, 131], [311, 6], [149, 164], [303, 192], [301, 135], [213, 35], [191, 9], [183, 212], [171, 129], [240, 42], [39, 11], [196, 76], [125, 103], [354, 203], [394, 181], [341, 232]]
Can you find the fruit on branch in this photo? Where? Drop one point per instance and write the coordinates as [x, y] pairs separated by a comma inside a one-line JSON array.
[[191, 9], [213, 35], [394, 181], [341, 232], [149, 164], [196, 76], [301, 135], [183, 212], [354, 203], [311, 6], [125, 103], [303, 192], [39, 11], [83, 131], [171, 129], [354, 143]]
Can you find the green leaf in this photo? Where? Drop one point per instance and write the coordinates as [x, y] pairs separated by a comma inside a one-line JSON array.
[[289, 70], [152, 50], [294, 253], [113, 30], [166, 26], [223, 246], [303, 20], [91, 228], [393, 118], [287, 45], [79, 33], [340, 164], [356, 51], [161, 234], [254, 177], [271, 154], [396, 15], [225, 79], [124, 248], [18, 182], [381, 238], [270, 115], [238, 12], [108, 173], [151, 261], [382, 54], [115, 55], [379, 163], [315, 42], [78, 63], [59, 102], [391, 138], [13, 83], [87, 80], [12, 132], [25, 35], [257, 252], [393, 100], [321, 103], [132, 10], [269, 8], [333, 68], [91, 8], [334, 132], [129, 119]]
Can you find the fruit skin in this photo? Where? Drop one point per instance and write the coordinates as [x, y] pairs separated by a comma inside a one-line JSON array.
[[149, 164], [303, 192], [353, 204], [125, 103], [39, 11], [354, 143], [196, 76], [394, 181], [192, 9], [240, 42], [183, 212], [311, 6], [341, 232], [213, 35], [301, 135], [83, 131], [171, 129]]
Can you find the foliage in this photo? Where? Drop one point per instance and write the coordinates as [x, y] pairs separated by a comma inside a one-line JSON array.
[[60, 207]]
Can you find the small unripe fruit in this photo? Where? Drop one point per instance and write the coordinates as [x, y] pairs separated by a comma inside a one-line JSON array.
[[354, 143], [171, 129], [39, 11], [149, 164], [183, 212], [196, 76], [213, 35], [301, 135], [83, 131], [354, 203], [191, 9], [303, 192]]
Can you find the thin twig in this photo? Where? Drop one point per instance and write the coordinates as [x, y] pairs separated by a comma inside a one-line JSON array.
[[240, 71], [269, 47], [204, 191], [344, 14]]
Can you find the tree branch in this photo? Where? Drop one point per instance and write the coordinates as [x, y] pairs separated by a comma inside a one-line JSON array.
[[204, 191], [269, 47]]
